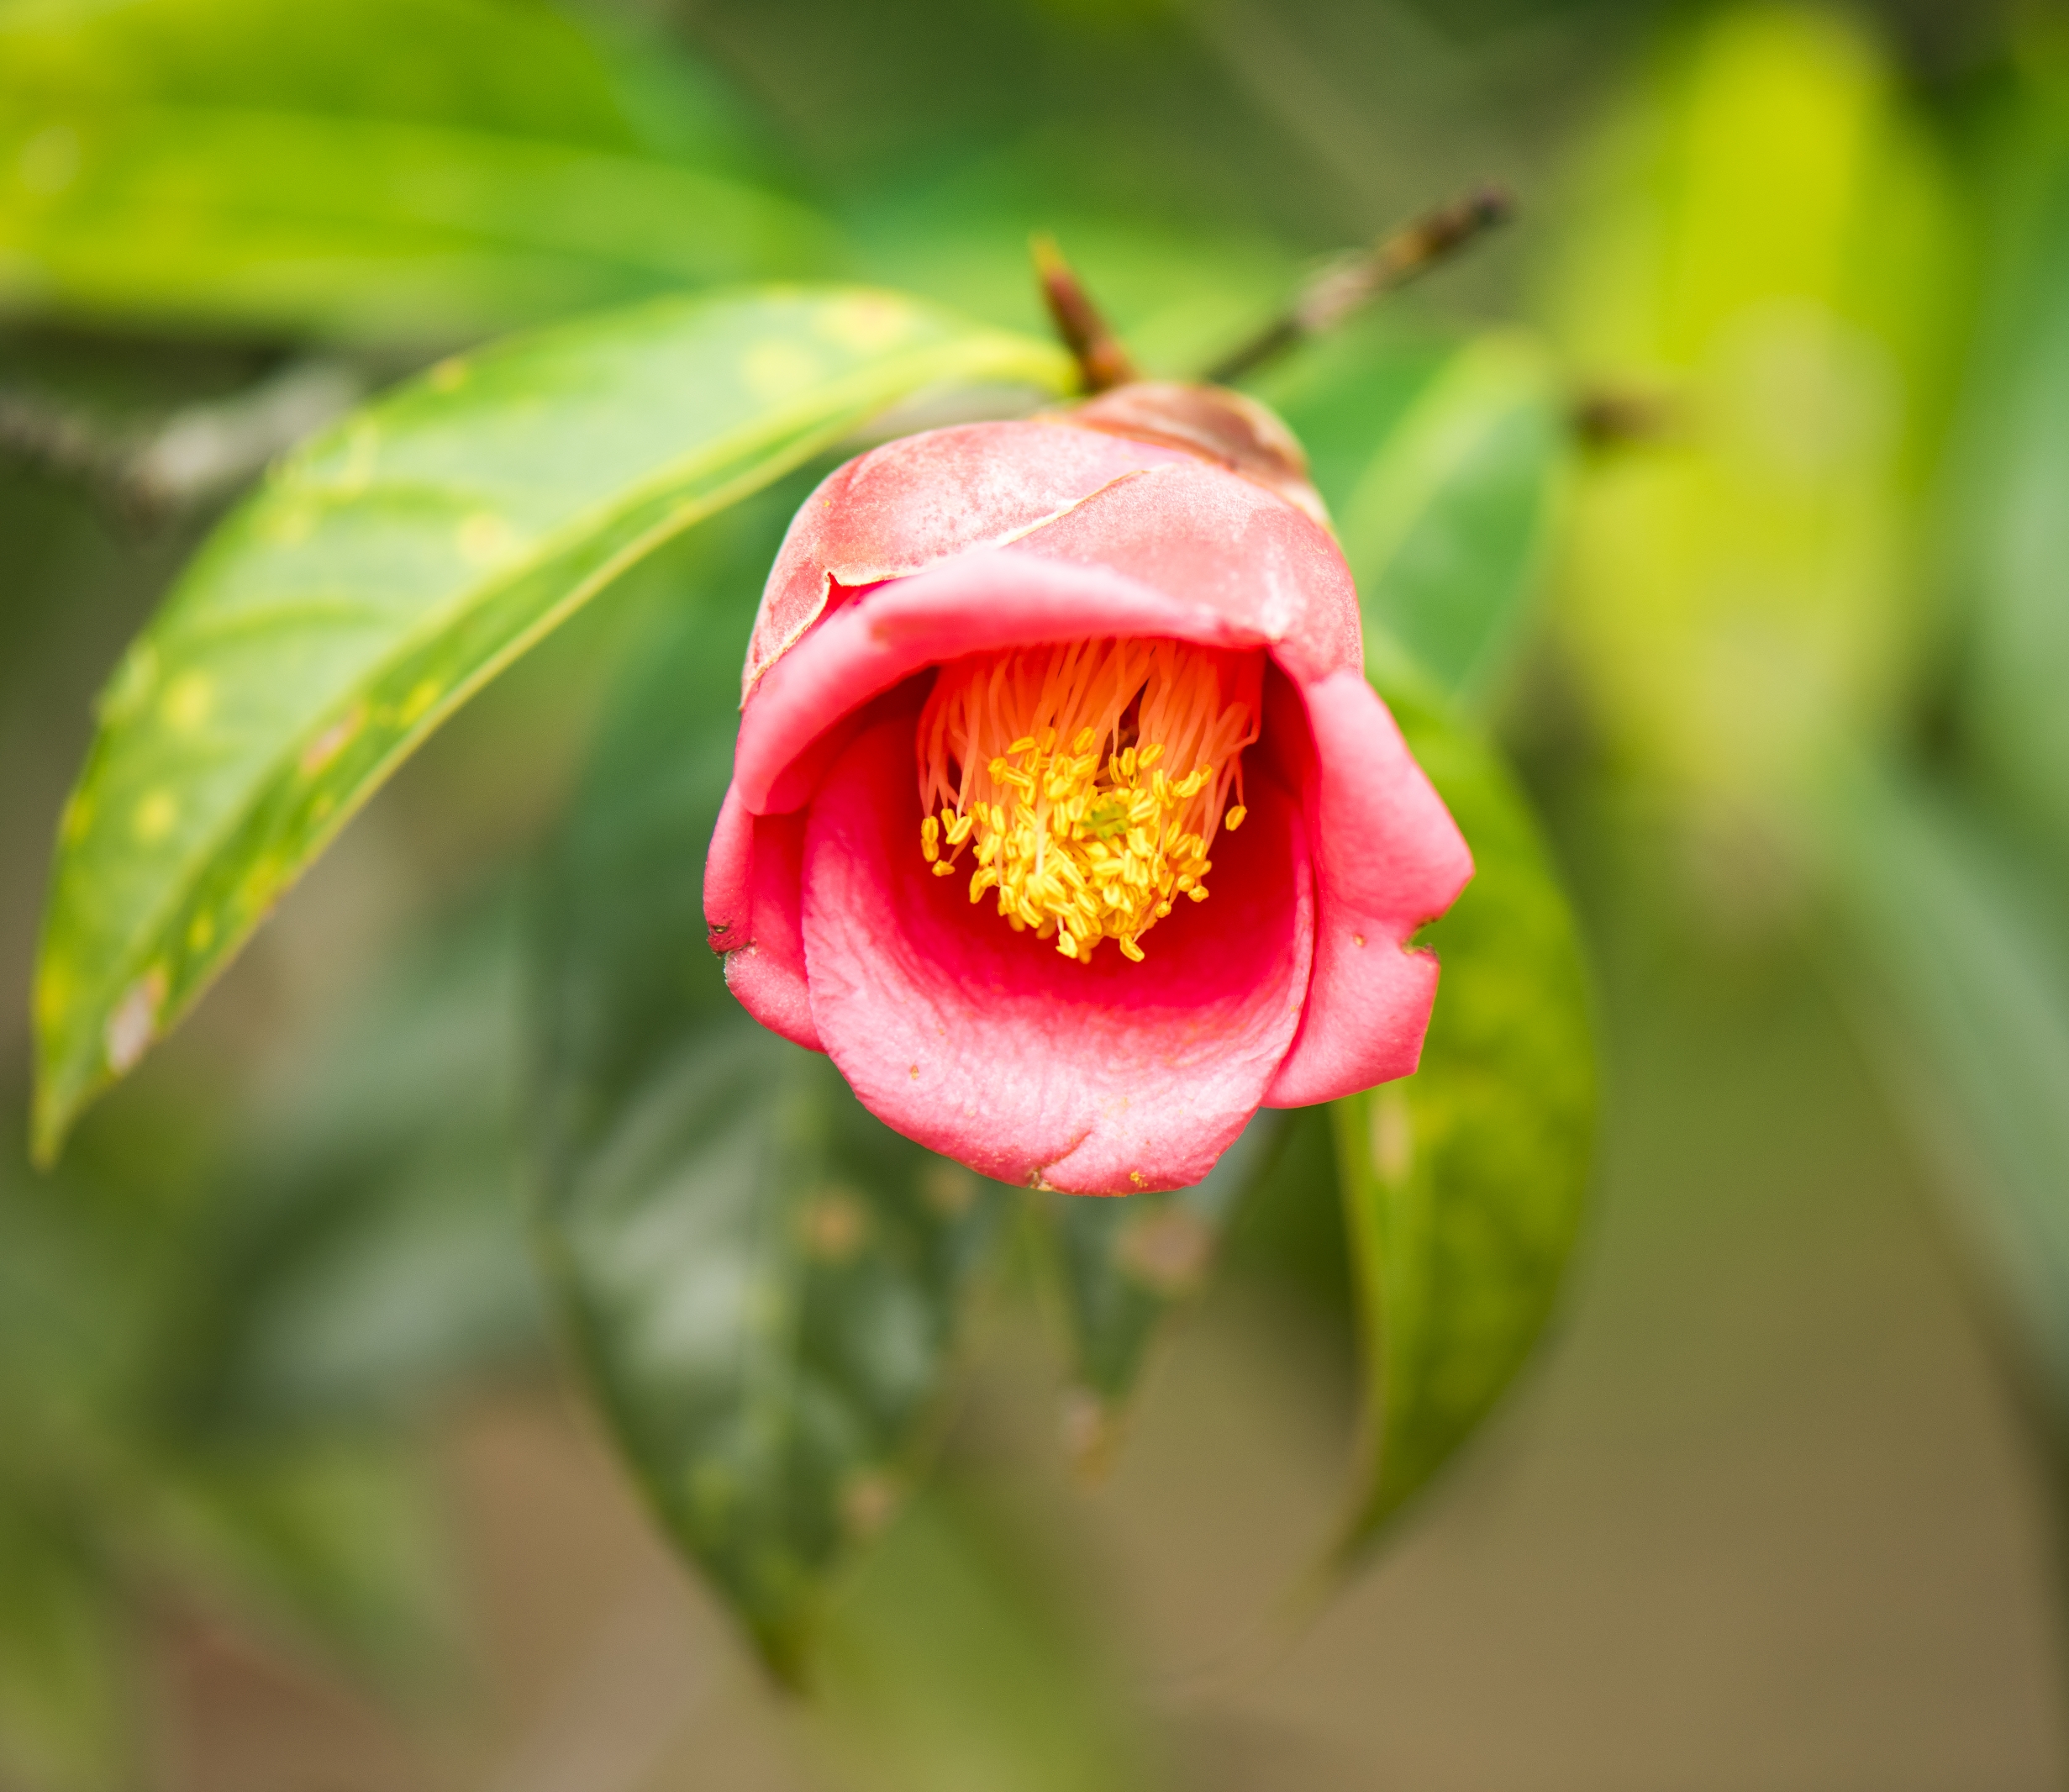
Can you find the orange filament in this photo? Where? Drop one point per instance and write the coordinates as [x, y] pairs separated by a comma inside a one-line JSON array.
[[1088, 780]]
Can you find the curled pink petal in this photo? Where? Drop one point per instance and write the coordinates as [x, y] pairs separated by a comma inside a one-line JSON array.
[[918, 500], [1008, 596], [750, 913], [1388, 858]]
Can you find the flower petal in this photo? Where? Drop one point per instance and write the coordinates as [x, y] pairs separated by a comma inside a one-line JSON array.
[[915, 502], [991, 1047], [1387, 858], [750, 911], [791, 728], [1213, 538]]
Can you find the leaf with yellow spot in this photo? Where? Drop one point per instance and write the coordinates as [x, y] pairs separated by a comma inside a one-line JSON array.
[[393, 566]]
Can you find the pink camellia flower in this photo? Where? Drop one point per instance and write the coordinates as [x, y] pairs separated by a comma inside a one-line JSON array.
[[1020, 698]]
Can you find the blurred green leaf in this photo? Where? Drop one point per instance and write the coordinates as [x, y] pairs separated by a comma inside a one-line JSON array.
[[1954, 943], [763, 1281], [1765, 274], [1447, 526], [1124, 1265], [956, 1660], [1463, 1184], [66, 1682], [240, 164], [1289, 1231], [331, 1540], [2009, 524], [1345, 393], [387, 572], [110, 1496], [366, 1254]]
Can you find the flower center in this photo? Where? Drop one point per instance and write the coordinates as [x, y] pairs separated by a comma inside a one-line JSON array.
[[1088, 780]]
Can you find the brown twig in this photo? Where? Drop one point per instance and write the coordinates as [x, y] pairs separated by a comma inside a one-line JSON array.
[[1339, 290], [1102, 362], [145, 470]]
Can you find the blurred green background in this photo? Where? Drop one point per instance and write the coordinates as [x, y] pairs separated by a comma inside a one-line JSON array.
[[292, 1493]]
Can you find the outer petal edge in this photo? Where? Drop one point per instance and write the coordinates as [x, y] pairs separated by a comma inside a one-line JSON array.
[[1388, 858]]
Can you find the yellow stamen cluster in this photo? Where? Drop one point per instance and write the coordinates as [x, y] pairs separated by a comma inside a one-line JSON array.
[[1086, 779]]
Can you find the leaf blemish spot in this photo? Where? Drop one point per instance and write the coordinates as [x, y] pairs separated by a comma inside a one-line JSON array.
[[775, 369], [156, 816], [331, 741], [189, 700], [54, 987], [423, 694], [833, 1226], [134, 1021], [948, 1187], [866, 323], [867, 1503], [289, 525], [484, 539]]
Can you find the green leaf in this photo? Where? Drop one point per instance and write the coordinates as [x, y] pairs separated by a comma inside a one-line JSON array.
[[333, 1539], [1125, 1265], [957, 1658], [367, 1255], [67, 1691], [1955, 960], [1463, 1184], [391, 568], [1345, 394], [1765, 264], [1447, 526], [239, 164], [2009, 527], [763, 1281]]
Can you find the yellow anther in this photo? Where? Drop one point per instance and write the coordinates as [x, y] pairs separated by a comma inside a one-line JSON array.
[[1234, 819], [1093, 840]]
